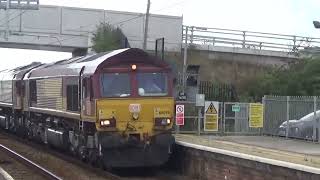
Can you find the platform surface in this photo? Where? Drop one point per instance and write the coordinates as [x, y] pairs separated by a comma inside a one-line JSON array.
[[298, 152], [4, 175]]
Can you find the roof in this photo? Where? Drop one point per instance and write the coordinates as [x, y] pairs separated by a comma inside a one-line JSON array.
[[73, 66], [89, 63], [18, 72]]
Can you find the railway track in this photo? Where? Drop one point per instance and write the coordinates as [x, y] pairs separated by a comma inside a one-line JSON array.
[[35, 167], [64, 166], [59, 163]]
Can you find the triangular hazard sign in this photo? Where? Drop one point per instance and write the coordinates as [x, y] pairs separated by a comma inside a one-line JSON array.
[[211, 109]]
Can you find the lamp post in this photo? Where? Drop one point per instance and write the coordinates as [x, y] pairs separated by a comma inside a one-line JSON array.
[[316, 24]]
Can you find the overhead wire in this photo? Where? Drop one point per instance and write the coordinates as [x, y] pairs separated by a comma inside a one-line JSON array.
[[5, 18], [9, 20]]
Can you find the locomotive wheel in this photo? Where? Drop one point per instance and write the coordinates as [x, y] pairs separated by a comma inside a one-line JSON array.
[[93, 158], [83, 154]]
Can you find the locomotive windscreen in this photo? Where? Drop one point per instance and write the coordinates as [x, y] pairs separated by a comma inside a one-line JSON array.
[[152, 84], [115, 85]]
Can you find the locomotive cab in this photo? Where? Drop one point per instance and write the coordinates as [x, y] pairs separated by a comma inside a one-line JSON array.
[[134, 110]]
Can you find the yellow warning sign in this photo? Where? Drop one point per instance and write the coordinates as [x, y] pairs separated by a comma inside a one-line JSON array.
[[211, 126], [211, 118], [211, 123], [211, 109], [256, 115]]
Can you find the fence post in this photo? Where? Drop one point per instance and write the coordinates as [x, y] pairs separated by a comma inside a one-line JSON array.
[[294, 43], [244, 39], [287, 117], [224, 117], [199, 121], [221, 109], [314, 127], [264, 113], [177, 129], [191, 36]]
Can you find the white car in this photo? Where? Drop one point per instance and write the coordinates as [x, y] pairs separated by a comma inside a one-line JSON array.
[[301, 128]]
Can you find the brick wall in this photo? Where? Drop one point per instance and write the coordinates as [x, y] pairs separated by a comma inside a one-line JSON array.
[[204, 165]]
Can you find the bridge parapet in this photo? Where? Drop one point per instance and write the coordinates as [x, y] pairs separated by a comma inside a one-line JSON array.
[[249, 40]]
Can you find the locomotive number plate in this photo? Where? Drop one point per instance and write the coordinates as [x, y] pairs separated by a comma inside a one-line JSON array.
[[134, 108]]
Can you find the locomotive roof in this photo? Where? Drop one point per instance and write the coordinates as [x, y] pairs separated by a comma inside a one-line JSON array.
[[17, 73], [73, 66], [89, 63]]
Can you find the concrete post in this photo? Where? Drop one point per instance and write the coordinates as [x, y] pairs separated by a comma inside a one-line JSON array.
[[314, 129], [287, 117]]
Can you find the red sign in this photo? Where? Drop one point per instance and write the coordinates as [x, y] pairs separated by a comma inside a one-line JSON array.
[[180, 115]]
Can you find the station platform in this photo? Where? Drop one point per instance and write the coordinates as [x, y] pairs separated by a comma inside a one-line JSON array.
[[4, 175], [288, 153]]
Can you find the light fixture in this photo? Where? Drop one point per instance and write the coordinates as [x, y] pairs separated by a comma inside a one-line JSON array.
[[133, 67]]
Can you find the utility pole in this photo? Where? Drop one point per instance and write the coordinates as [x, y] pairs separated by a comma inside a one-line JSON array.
[[7, 20], [145, 36], [184, 70]]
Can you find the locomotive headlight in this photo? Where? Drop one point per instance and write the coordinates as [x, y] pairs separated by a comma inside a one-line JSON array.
[[133, 67], [109, 123], [162, 121], [105, 123]]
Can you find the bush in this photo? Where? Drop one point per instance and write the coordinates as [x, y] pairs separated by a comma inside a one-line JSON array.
[[299, 79]]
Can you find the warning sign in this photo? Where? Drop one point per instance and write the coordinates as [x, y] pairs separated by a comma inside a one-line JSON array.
[[211, 109], [180, 115], [211, 116], [256, 115]]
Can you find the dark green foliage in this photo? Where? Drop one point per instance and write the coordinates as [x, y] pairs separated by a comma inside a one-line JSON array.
[[299, 79], [107, 38], [218, 91]]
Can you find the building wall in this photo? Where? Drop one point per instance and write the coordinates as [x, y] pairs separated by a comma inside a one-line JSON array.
[[227, 67]]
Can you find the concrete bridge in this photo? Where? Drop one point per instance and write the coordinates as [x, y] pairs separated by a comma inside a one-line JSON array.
[[68, 28]]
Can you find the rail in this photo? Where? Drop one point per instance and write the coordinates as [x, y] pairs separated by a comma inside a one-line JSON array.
[[249, 39], [29, 163]]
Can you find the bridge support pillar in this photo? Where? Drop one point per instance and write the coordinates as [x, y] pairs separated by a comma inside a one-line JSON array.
[[79, 52]]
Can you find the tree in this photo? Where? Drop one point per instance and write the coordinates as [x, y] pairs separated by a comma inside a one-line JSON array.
[[299, 79], [107, 38]]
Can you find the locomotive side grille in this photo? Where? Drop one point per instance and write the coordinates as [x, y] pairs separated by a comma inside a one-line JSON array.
[[49, 93], [6, 91]]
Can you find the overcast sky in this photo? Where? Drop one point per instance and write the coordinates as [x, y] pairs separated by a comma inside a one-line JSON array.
[[274, 16]]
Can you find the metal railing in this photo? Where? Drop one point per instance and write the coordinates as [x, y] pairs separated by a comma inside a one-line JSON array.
[[229, 122], [250, 39]]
